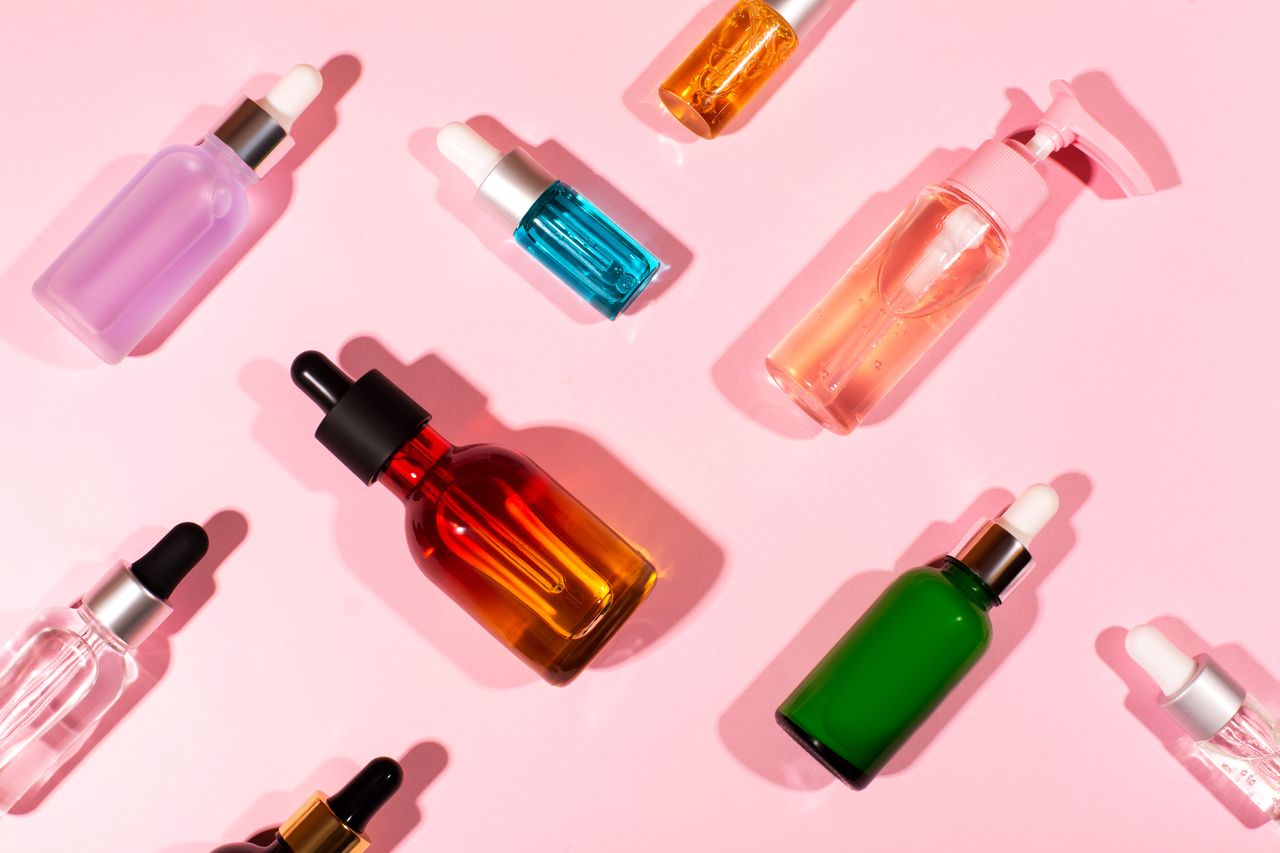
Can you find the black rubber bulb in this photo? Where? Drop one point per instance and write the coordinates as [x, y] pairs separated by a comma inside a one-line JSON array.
[[320, 379], [360, 800], [162, 568]]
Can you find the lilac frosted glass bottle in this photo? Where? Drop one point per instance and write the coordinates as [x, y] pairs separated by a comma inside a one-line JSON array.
[[169, 224]]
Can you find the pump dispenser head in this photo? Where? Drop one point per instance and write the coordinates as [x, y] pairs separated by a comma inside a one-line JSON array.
[[131, 601], [1196, 692], [366, 421], [999, 553], [1004, 177], [336, 825], [256, 129], [506, 185]]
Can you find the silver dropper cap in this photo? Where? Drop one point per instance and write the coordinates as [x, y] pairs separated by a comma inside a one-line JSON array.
[[1207, 702], [507, 186], [802, 15], [999, 553], [256, 131], [122, 605]]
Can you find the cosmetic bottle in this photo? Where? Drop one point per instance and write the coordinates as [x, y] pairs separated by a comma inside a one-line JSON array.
[[931, 263], [169, 224], [565, 232], [530, 563], [60, 675], [736, 59], [1233, 733], [335, 825], [912, 646]]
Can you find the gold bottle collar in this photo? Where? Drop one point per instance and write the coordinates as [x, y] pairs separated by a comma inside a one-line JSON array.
[[314, 828]]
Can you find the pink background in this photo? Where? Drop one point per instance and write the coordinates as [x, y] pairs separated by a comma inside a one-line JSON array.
[[1128, 356]]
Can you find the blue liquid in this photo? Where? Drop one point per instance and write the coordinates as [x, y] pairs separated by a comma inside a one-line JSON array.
[[586, 250]]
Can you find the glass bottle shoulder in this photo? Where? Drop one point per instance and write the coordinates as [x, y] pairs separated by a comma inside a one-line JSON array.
[[929, 587]]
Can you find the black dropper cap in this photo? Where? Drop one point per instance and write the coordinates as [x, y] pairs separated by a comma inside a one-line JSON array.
[[162, 568], [366, 421], [360, 800]]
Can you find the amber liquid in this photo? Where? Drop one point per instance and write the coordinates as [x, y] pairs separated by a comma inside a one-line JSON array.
[[850, 351], [729, 67], [538, 569]]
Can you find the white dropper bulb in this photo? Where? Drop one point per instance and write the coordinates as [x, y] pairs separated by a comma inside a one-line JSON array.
[[467, 150], [1162, 660], [1028, 515], [293, 94]]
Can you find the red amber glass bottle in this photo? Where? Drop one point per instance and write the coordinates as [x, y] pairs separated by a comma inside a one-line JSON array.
[[538, 569]]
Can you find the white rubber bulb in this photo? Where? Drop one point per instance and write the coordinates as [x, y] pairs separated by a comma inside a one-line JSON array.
[[293, 94], [1168, 667], [1028, 515], [467, 150]]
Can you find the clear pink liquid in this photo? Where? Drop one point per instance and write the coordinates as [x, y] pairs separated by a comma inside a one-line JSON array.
[[148, 246]]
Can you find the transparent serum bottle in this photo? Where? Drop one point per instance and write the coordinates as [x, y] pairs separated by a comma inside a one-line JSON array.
[[564, 231], [1233, 733], [736, 60], [335, 824], [169, 224], [65, 671], [904, 293], [912, 646], [529, 562]]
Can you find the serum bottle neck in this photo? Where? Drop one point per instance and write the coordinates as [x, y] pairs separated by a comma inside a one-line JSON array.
[[408, 468], [969, 584]]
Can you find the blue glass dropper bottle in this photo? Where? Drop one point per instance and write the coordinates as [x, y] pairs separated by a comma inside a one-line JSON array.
[[553, 222]]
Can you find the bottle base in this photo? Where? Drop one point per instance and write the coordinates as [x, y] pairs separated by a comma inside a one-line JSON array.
[[570, 663], [845, 771], [808, 401], [686, 114], [74, 324]]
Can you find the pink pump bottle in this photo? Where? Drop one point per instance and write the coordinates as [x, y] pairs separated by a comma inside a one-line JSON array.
[[924, 270], [168, 225]]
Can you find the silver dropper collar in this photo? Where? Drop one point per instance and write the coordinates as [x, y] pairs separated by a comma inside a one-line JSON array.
[[513, 187], [1207, 702], [997, 557], [254, 135], [125, 607], [802, 15]]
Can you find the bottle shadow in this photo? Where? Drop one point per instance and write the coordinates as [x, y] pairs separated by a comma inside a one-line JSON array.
[[1142, 703], [641, 97], [739, 374], [423, 763], [370, 530], [747, 727], [227, 529], [457, 195], [271, 197]]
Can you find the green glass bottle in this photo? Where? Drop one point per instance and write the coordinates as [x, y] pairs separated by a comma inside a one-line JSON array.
[[914, 644]]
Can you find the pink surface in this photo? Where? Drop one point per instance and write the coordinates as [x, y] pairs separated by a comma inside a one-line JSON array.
[[1127, 356]]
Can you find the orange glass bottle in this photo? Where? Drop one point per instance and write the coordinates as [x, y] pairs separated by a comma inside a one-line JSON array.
[[529, 562], [735, 61]]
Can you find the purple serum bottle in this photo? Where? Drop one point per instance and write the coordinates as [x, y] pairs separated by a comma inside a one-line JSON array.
[[178, 214]]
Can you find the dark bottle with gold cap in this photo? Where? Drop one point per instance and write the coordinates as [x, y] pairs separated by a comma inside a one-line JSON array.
[[335, 825], [911, 647]]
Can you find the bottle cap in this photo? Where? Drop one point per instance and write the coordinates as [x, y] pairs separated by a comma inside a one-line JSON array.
[[1005, 180], [802, 15], [366, 421], [1196, 692], [131, 601], [256, 129], [999, 553], [506, 186], [336, 826]]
